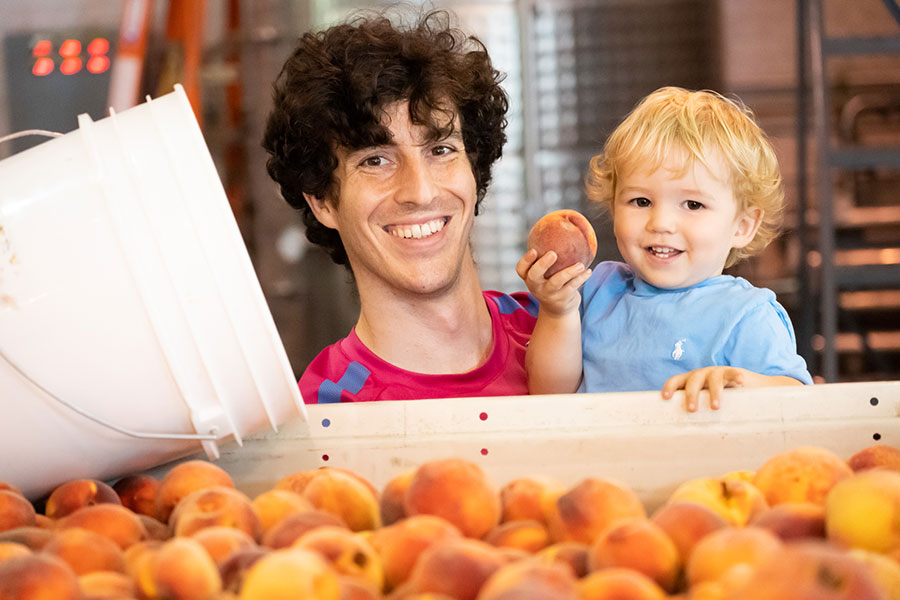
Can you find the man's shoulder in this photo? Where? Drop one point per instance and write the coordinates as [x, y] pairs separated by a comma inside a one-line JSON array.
[[341, 369], [516, 303]]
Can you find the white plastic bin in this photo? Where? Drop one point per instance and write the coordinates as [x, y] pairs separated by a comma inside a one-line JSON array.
[[126, 291]]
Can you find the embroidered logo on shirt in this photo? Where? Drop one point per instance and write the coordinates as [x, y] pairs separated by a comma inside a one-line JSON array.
[[352, 380], [678, 352]]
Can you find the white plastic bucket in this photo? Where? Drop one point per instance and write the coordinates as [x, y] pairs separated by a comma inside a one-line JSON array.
[[127, 303]]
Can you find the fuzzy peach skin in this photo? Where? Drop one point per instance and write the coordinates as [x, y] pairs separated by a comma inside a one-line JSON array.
[[68, 497], [863, 511], [879, 455], [38, 577], [569, 234], [804, 474], [584, 511], [640, 544], [15, 511], [735, 500], [530, 579], [686, 523], [725, 549], [456, 490], [399, 545], [184, 478], [290, 574]]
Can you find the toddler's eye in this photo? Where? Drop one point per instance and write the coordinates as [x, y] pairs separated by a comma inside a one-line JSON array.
[[641, 202], [694, 205]]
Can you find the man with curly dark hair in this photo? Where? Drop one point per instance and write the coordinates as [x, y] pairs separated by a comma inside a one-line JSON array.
[[383, 136]]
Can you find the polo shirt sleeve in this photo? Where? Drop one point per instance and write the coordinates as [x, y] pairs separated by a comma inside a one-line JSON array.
[[763, 341]]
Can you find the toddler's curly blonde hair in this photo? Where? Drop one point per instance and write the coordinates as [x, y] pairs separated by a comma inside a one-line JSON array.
[[673, 121]]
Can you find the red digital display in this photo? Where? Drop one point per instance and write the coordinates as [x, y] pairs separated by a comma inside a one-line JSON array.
[[69, 57]]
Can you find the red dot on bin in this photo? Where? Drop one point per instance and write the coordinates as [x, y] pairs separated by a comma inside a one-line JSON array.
[[483, 416], [484, 451], [325, 457]]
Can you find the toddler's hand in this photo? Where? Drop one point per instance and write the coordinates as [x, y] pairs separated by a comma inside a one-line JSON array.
[[558, 295], [714, 379]]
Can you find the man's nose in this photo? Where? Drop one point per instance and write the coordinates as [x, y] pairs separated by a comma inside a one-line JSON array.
[[416, 183]]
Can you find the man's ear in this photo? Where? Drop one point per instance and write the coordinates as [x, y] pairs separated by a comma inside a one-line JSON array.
[[323, 210], [747, 226]]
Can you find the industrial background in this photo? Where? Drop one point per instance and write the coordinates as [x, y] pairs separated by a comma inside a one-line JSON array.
[[823, 77]]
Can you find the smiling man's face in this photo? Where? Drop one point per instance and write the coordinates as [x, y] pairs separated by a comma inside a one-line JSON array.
[[406, 209]]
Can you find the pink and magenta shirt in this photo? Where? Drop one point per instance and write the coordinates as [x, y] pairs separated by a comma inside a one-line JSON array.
[[347, 371]]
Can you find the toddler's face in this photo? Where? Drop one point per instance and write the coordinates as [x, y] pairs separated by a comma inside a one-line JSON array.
[[676, 229]]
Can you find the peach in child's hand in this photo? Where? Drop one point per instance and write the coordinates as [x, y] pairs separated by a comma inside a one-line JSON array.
[[569, 234]]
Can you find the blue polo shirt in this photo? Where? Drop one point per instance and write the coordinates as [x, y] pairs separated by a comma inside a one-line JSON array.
[[635, 336]]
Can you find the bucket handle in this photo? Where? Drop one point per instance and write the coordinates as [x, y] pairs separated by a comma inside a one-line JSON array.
[[18, 134], [107, 424]]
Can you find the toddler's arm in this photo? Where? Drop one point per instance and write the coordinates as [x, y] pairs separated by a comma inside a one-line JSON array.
[[715, 379], [553, 358]]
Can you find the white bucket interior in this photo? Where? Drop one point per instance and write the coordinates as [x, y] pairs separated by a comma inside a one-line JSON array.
[[126, 290]]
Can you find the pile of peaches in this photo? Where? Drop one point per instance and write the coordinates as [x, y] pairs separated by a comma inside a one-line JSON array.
[[806, 524]]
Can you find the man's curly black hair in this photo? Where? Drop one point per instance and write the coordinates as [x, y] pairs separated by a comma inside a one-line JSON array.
[[334, 88]]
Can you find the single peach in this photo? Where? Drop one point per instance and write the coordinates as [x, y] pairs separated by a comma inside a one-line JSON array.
[[344, 495], [215, 506], [530, 579], [572, 554], [107, 585], [457, 567], [275, 504], [527, 535], [111, 520], [569, 234], [285, 532], [37, 577], [585, 510], [295, 482], [619, 583], [392, 497], [640, 544], [288, 574], [724, 549], [457, 490], [810, 569], [399, 545], [139, 566], [184, 478], [86, 551], [221, 542], [734, 499], [686, 523], [347, 552], [15, 511], [138, 492], [885, 570], [878, 455], [68, 497], [863, 511], [181, 569], [793, 520], [804, 474], [524, 498]]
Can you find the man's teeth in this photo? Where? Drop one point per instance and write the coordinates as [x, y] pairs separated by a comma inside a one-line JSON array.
[[662, 252], [418, 231]]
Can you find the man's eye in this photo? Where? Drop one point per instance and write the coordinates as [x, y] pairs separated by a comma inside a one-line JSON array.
[[694, 205], [372, 161], [641, 202], [442, 150]]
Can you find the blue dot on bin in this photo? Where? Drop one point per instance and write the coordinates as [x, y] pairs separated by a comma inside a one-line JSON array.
[[326, 422]]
